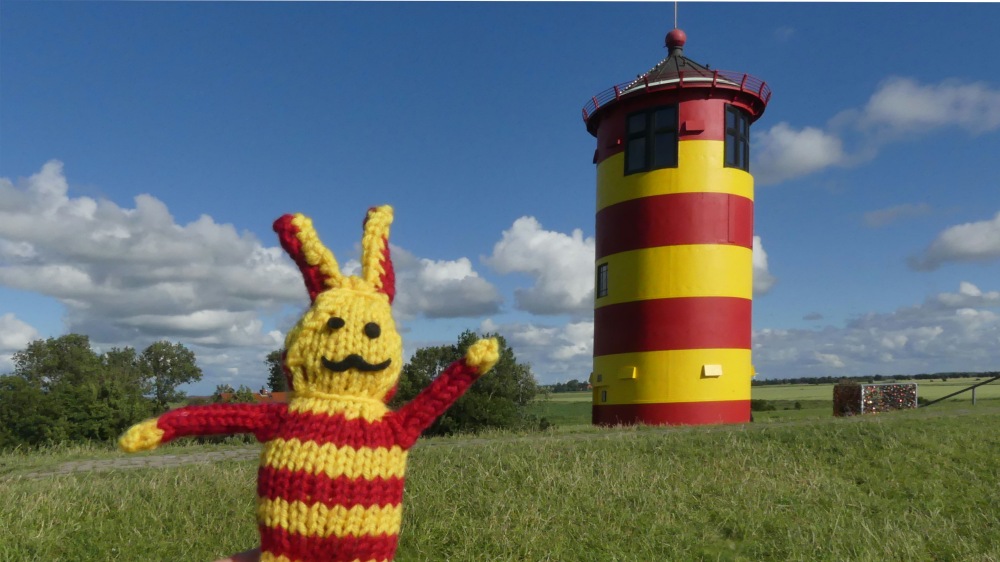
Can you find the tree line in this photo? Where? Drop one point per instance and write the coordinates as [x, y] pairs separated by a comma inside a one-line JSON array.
[[62, 391]]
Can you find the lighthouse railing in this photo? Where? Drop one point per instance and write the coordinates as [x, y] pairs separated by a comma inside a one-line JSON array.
[[725, 79]]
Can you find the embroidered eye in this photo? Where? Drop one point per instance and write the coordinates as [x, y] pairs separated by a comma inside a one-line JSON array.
[[372, 330], [335, 323]]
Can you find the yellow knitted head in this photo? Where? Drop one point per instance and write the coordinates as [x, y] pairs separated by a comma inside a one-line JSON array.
[[346, 344]]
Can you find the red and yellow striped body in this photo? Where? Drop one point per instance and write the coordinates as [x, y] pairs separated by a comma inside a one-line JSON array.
[[330, 483]]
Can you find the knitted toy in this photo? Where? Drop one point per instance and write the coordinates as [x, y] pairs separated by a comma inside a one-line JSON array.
[[330, 482]]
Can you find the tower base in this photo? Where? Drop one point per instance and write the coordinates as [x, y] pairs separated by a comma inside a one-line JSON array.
[[672, 413]]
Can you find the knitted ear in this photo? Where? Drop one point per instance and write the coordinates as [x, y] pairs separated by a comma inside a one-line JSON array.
[[317, 264], [376, 265]]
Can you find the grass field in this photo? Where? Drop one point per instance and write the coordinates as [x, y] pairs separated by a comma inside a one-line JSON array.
[[914, 485], [816, 401]]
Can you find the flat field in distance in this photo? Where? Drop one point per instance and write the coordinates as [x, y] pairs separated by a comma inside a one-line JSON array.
[[912, 485], [928, 389]]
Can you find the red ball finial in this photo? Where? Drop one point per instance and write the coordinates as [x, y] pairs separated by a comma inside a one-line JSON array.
[[676, 38]]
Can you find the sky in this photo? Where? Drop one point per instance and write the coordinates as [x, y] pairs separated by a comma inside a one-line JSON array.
[[146, 149]]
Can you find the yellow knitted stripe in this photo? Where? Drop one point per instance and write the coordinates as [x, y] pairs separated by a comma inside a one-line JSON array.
[[322, 521], [313, 458], [317, 255], [268, 557], [373, 243], [353, 408]]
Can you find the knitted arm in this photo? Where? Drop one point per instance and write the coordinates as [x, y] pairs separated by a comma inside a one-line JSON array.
[[420, 413], [212, 419]]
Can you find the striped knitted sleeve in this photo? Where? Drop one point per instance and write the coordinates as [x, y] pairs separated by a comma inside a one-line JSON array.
[[420, 413]]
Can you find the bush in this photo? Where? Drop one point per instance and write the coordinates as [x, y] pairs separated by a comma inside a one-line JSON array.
[[497, 400]]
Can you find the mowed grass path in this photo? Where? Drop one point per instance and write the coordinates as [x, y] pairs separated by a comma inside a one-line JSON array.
[[915, 485]]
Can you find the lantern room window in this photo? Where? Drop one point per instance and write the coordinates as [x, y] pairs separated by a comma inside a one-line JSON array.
[[737, 138], [651, 140], [602, 280]]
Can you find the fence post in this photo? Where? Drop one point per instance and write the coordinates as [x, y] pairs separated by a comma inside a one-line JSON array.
[[973, 396]]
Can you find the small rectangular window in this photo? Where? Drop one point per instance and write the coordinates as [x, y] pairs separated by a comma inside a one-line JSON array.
[[635, 158], [604, 396], [602, 280], [636, 124], [651, 140], [737, 150]]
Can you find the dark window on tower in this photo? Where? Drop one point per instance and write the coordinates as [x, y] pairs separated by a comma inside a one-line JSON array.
[[602, 280], [737, 138], [651, 140]]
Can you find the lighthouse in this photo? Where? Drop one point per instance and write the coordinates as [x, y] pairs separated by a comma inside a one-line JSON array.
[[674, 229]]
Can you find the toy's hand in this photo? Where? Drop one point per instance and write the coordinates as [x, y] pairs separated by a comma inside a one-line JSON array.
[[482, 355], [141, 437]]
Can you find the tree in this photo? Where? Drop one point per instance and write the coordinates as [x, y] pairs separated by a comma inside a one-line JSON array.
[[276, 379], [497, 400], [62, 391], [46, 364], [168, 366]]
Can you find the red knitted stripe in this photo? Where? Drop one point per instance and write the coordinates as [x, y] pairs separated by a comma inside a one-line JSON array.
[[417, 415], [329, 549], [299, 485], [336, 430], [213, 419], [288, 236], [388, 278]]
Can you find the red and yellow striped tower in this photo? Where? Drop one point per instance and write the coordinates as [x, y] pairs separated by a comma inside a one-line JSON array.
[[674, 237]]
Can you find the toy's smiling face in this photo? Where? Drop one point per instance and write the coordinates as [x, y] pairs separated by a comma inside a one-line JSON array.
[[346, 345]]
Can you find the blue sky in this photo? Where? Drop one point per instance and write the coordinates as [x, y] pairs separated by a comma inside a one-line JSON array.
[[146, 148]]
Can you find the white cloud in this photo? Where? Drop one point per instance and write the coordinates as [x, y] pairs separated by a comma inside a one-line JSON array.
[[969, 242], [901, 105], [829, 359], [783, 153], [883, 217], [947, 332], [556, 353], [783, 33], [130, 276], [763, 281], [440, 288], [15, 335], [561, 266], [900, 108]]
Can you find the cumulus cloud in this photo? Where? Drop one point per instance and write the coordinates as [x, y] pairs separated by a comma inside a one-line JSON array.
[[125, 272], [440, 288], [130, 276], [15, 335], [899, 109], [763, 281], [783, 153], [957, 331], [884, 217], [903, 106], [556, 353], [969, 242], [560, 265]]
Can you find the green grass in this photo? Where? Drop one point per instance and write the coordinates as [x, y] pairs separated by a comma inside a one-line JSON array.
[[568, 410], [928, 389], [914, 485]]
